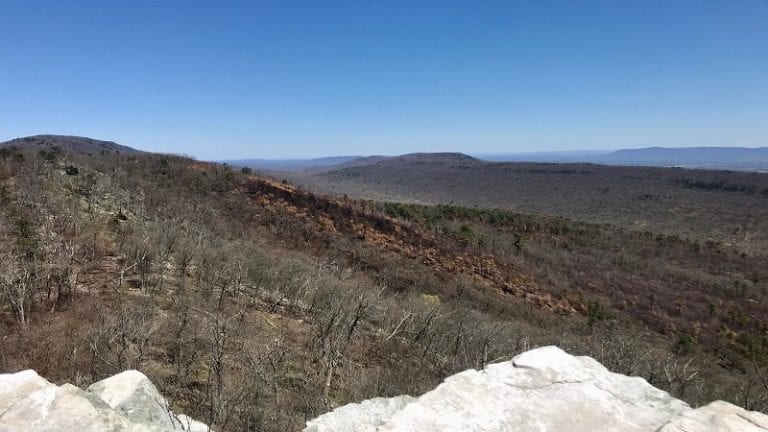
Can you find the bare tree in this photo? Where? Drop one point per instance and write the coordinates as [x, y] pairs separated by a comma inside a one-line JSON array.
[[17, 284], [121, 337]]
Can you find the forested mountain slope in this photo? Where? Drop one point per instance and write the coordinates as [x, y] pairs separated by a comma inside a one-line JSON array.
[[254, 304], [56, 144]]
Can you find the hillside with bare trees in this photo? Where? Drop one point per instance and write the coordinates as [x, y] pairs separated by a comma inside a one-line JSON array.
[[255, 304]]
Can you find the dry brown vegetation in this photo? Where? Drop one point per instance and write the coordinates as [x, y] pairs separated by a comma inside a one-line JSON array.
[[255, 305]]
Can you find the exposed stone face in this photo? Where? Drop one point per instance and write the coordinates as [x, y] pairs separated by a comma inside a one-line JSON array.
[[133, 396], [717, 416], [127, 402], [544, 390]]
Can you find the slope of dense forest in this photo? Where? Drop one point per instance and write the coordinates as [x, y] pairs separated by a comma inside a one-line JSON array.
[[724, 206], [255, 304]]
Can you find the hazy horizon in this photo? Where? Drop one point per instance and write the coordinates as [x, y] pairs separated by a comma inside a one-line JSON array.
[[480, 155], [303, 80]]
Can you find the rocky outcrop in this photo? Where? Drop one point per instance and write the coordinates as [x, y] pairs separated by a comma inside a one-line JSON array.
[[127, 402], [545, 390]]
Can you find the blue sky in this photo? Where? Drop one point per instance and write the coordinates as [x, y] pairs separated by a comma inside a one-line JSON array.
[[285, 78]]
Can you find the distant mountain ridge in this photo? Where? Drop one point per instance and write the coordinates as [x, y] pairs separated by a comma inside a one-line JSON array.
[[729, 158], [75, 144], [339, 162]]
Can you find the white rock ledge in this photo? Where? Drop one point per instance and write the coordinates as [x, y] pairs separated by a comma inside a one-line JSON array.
[[543, 390], [126, 402]]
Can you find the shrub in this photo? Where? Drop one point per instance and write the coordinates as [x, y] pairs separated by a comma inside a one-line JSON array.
[[596, 312], [686, 344]]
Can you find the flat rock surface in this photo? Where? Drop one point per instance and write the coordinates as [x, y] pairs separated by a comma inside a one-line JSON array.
[[541, 390]]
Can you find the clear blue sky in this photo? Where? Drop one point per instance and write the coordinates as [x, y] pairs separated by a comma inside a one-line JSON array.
[[309, 78]]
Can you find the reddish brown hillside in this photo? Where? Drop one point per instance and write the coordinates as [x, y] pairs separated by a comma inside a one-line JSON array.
[[438, 253]]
